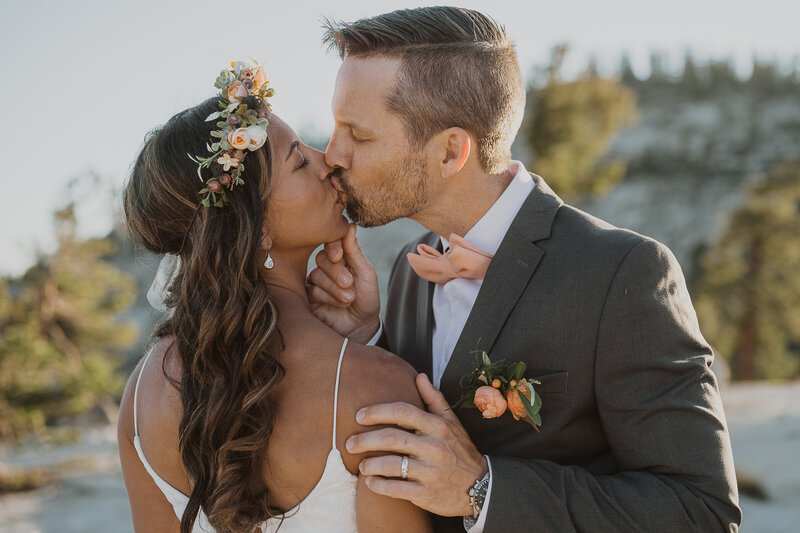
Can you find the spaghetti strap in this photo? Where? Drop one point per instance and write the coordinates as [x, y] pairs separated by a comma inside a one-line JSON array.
[[336, 394], [136, 392]]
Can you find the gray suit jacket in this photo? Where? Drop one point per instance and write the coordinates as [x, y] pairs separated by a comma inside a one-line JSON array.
[[633, 434]]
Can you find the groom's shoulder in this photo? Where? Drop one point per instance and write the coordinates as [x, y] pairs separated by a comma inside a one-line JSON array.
[[573, 227]]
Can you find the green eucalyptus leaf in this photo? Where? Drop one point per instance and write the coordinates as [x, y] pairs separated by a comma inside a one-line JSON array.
[[527, 405], [537, 402], [512, 370], [486, 360], [206, 202], [520, 371]]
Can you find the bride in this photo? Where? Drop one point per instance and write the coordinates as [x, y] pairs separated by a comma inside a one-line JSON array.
[[236, 418]]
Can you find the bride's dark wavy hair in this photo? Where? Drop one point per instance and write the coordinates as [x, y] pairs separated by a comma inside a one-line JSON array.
[[224, 320]]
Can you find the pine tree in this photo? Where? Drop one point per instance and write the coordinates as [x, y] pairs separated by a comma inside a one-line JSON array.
[[570, 127], [749, 291], [60, 342]]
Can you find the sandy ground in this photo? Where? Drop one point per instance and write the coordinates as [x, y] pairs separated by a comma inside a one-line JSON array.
[[764, 422]]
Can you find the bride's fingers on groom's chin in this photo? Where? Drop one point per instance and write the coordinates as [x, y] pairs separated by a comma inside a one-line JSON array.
[[338, 273], [326, 287], [319, 297], [334, 251]]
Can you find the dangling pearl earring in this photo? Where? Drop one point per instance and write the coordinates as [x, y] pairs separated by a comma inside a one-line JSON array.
[[269, 264]]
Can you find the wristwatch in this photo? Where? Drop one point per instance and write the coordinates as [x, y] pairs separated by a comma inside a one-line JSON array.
[[477, 495]]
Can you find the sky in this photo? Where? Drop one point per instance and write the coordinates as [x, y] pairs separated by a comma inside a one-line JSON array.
[[82, 82]]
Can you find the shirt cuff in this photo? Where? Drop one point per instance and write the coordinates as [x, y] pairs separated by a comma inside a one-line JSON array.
[[476, 526], [374, 340]]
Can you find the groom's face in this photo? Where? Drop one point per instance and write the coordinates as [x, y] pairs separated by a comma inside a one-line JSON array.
[[379, 175]]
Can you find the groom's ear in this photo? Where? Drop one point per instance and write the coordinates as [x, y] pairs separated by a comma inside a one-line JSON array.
[[454, 146]]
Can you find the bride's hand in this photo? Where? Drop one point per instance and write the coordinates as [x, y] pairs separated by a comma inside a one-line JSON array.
[[343, 289]]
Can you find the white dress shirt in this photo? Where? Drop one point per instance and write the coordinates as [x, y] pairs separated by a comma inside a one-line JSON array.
[[453, 301]]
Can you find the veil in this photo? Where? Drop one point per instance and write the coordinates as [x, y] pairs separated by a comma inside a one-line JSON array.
[[165, 275]]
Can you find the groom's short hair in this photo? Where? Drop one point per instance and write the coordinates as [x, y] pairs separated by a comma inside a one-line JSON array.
[[458, 69]]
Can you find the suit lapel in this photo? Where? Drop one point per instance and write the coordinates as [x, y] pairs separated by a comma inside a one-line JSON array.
[[424, 318], [509, 273]]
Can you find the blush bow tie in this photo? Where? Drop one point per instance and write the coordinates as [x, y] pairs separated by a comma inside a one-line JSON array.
[[462, 260]]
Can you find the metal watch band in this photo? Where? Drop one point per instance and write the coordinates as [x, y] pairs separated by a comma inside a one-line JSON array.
[[477, 495]]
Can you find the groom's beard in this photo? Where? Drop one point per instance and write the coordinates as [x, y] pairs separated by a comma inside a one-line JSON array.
[[403, 194]]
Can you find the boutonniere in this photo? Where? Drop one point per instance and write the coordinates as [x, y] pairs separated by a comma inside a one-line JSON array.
[[493, 388]]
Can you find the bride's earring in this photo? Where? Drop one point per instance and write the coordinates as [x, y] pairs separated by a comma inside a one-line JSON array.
[[269, 264]]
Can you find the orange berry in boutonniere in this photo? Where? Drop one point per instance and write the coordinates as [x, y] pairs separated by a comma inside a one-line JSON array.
[[515, 402]]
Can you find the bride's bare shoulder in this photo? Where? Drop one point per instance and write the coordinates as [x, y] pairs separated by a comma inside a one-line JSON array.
[[158, 398], [159, 410], [370, 376], [373, 374]]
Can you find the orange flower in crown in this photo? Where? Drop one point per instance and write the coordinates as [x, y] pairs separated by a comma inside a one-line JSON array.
[[241, 126]]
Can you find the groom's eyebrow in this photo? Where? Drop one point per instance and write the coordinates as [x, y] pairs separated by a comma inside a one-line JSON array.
[[291, 149]]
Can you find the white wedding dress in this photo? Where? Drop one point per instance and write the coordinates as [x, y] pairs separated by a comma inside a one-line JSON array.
[[330, 507]]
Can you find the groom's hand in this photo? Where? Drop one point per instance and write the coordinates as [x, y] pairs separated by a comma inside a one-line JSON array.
[[343, 289], [443, 462]]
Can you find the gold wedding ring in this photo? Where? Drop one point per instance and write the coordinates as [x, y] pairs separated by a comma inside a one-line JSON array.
[[404, 467]]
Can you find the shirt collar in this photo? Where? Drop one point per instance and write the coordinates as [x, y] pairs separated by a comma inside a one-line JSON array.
[[488, 232]]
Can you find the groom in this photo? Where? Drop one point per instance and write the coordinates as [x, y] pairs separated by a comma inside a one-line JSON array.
[[633, 436]]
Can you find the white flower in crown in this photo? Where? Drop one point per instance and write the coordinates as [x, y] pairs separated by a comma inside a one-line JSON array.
[[237, 92], [258, 136], [227, 161]]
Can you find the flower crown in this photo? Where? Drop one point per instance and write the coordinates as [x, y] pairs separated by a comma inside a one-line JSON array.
[[244, 111]]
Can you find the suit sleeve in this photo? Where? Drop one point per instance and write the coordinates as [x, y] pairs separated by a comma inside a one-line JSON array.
[[660, 409]]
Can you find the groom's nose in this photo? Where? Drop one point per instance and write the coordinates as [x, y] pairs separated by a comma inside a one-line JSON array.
[[337, 154]]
